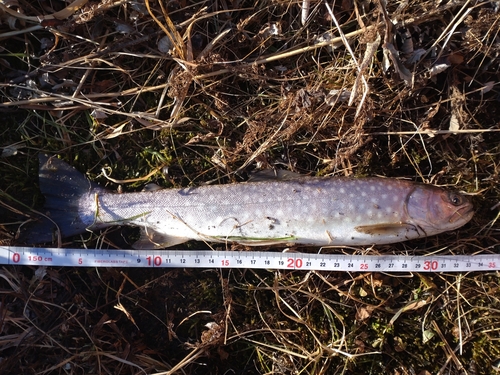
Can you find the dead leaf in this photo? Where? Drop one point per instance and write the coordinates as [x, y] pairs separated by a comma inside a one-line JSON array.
[[363, 313]]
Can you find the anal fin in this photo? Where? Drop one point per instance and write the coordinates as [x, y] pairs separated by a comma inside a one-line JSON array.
[[151, 239]]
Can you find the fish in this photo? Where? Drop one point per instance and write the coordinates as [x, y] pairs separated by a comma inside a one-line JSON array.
[[291, 210]]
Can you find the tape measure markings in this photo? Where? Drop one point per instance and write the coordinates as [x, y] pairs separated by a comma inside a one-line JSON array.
[[66, 257]]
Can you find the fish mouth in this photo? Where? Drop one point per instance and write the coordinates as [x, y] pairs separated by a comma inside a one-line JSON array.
[[463, 214]]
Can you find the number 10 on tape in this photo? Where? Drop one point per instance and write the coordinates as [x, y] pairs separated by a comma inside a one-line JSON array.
[[245, 259]]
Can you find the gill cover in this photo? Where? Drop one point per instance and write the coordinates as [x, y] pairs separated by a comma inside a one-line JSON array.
[[431, 207]]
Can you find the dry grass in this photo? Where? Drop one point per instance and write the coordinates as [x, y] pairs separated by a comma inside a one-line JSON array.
[[211, 91]]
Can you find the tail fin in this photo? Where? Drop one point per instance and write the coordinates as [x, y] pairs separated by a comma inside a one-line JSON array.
[[62, 186]]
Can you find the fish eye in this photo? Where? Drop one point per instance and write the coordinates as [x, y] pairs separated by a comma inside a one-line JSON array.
[[456, 199]]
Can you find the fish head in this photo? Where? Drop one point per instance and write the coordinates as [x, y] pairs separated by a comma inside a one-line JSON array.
[[437, 210]]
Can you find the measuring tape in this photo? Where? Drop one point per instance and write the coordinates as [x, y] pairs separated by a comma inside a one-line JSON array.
[[42, 256]]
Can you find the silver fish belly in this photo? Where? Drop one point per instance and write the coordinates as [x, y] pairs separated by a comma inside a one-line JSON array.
[[307, 211]]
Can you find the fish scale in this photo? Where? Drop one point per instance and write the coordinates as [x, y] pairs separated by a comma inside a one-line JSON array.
[[291, 211], [243, 211]]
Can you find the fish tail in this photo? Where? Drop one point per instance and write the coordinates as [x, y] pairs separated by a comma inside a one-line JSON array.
[[62, 187]]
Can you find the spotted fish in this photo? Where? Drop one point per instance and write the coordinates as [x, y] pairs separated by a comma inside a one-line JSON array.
[[305, 211]]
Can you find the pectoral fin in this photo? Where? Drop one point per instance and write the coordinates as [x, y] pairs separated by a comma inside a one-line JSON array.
[[385, 228], [151, 239]]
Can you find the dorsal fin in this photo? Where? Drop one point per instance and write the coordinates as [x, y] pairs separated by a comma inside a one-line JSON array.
[[273, 175], [151, 187]]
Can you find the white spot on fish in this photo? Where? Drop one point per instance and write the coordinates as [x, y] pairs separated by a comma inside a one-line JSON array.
[[372, 188], [395, 198], [342, 191], [363, 194]]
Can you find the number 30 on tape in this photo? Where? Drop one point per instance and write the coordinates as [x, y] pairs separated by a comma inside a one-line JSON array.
[[11, 255]]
